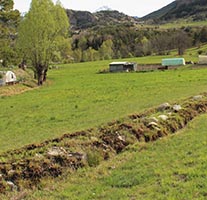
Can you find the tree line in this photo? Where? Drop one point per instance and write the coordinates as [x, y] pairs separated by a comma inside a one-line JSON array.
[[42, 36], [123, 42]]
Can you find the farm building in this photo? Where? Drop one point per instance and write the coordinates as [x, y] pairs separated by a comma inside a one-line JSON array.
[[202, 60], [173, 61], [122, 66], [7, 78]]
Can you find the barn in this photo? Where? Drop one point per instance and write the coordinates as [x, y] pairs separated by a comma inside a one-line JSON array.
[[7, 78], [122, 66], [173, 61], [202, 60]]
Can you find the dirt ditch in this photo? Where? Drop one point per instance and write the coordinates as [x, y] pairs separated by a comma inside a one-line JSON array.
[[25, 167]]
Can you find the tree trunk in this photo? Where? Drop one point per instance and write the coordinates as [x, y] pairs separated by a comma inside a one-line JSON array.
[[39, 72], [45, 75], [40, 79]]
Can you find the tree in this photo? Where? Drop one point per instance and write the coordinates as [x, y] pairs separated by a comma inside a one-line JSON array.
[[77, 55], [90, 55], [9, 19], [182, 41], [82, 43], [40, 34], [106, 51], [203, 34]]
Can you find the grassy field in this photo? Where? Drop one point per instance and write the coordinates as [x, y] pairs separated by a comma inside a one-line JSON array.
[[170, 168], [180, 23], [79, 98], [184, 23]]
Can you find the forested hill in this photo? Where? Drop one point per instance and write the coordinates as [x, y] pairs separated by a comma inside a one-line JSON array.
[[85, 19], [194, 9]]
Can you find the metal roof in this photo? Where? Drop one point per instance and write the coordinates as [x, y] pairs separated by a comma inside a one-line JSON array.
[[118, 63]]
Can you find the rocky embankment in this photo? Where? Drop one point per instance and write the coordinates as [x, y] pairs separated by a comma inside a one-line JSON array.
[[25, 167]]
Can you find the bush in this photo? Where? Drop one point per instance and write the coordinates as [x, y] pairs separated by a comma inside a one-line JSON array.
[[94, 158]]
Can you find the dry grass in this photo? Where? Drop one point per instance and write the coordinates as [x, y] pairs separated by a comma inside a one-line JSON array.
[[25, 82]]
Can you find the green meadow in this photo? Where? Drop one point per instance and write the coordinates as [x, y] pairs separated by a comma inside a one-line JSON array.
[[184, 23], [78, 97]]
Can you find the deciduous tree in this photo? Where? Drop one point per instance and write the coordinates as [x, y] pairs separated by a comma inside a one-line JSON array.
[[40, 34], [181, 41], [106, 51]]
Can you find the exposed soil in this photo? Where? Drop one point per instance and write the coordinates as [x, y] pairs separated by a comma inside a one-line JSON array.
[[25, 167]]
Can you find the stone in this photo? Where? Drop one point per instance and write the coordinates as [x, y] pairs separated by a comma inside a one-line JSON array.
[[11, 185], [79, 156], [176, 108], [56, 151], [153, 125], [153, 119], [121, 138], [163, 117], [198, 97], [163, 107]]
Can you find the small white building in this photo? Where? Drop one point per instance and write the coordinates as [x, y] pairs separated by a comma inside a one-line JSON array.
[[8, 78], [202, 60], [173, 61], [122, 66]]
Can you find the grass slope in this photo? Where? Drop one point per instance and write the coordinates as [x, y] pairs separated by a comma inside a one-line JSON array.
[[79, 98], [170, 168], [183, 23], [159, 13]]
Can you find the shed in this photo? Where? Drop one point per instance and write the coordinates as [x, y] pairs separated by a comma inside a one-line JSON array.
[[173, 61], [202, 60], [8, 78], [122, 66]]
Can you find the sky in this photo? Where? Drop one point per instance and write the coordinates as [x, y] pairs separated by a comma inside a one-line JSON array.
[[130, 7]]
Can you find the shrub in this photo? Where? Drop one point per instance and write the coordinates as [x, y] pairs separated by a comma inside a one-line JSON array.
[[94, 158]]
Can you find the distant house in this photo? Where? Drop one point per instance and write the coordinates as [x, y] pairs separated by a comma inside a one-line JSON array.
[[173, 61], [7, 78], [122, 66], [202, 60]]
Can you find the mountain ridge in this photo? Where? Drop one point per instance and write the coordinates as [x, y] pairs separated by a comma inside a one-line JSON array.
[[194, 9], [86, 19]]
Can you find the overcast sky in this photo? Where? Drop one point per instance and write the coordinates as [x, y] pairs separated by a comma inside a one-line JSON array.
[[130, 7]]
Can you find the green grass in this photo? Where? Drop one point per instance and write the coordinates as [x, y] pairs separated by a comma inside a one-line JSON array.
[[183, 23], [180, 23], [80, 98], [170, 168]]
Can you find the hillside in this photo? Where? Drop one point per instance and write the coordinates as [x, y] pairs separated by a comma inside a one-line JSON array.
[[161, 12], [85, 19], [194, 9]]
